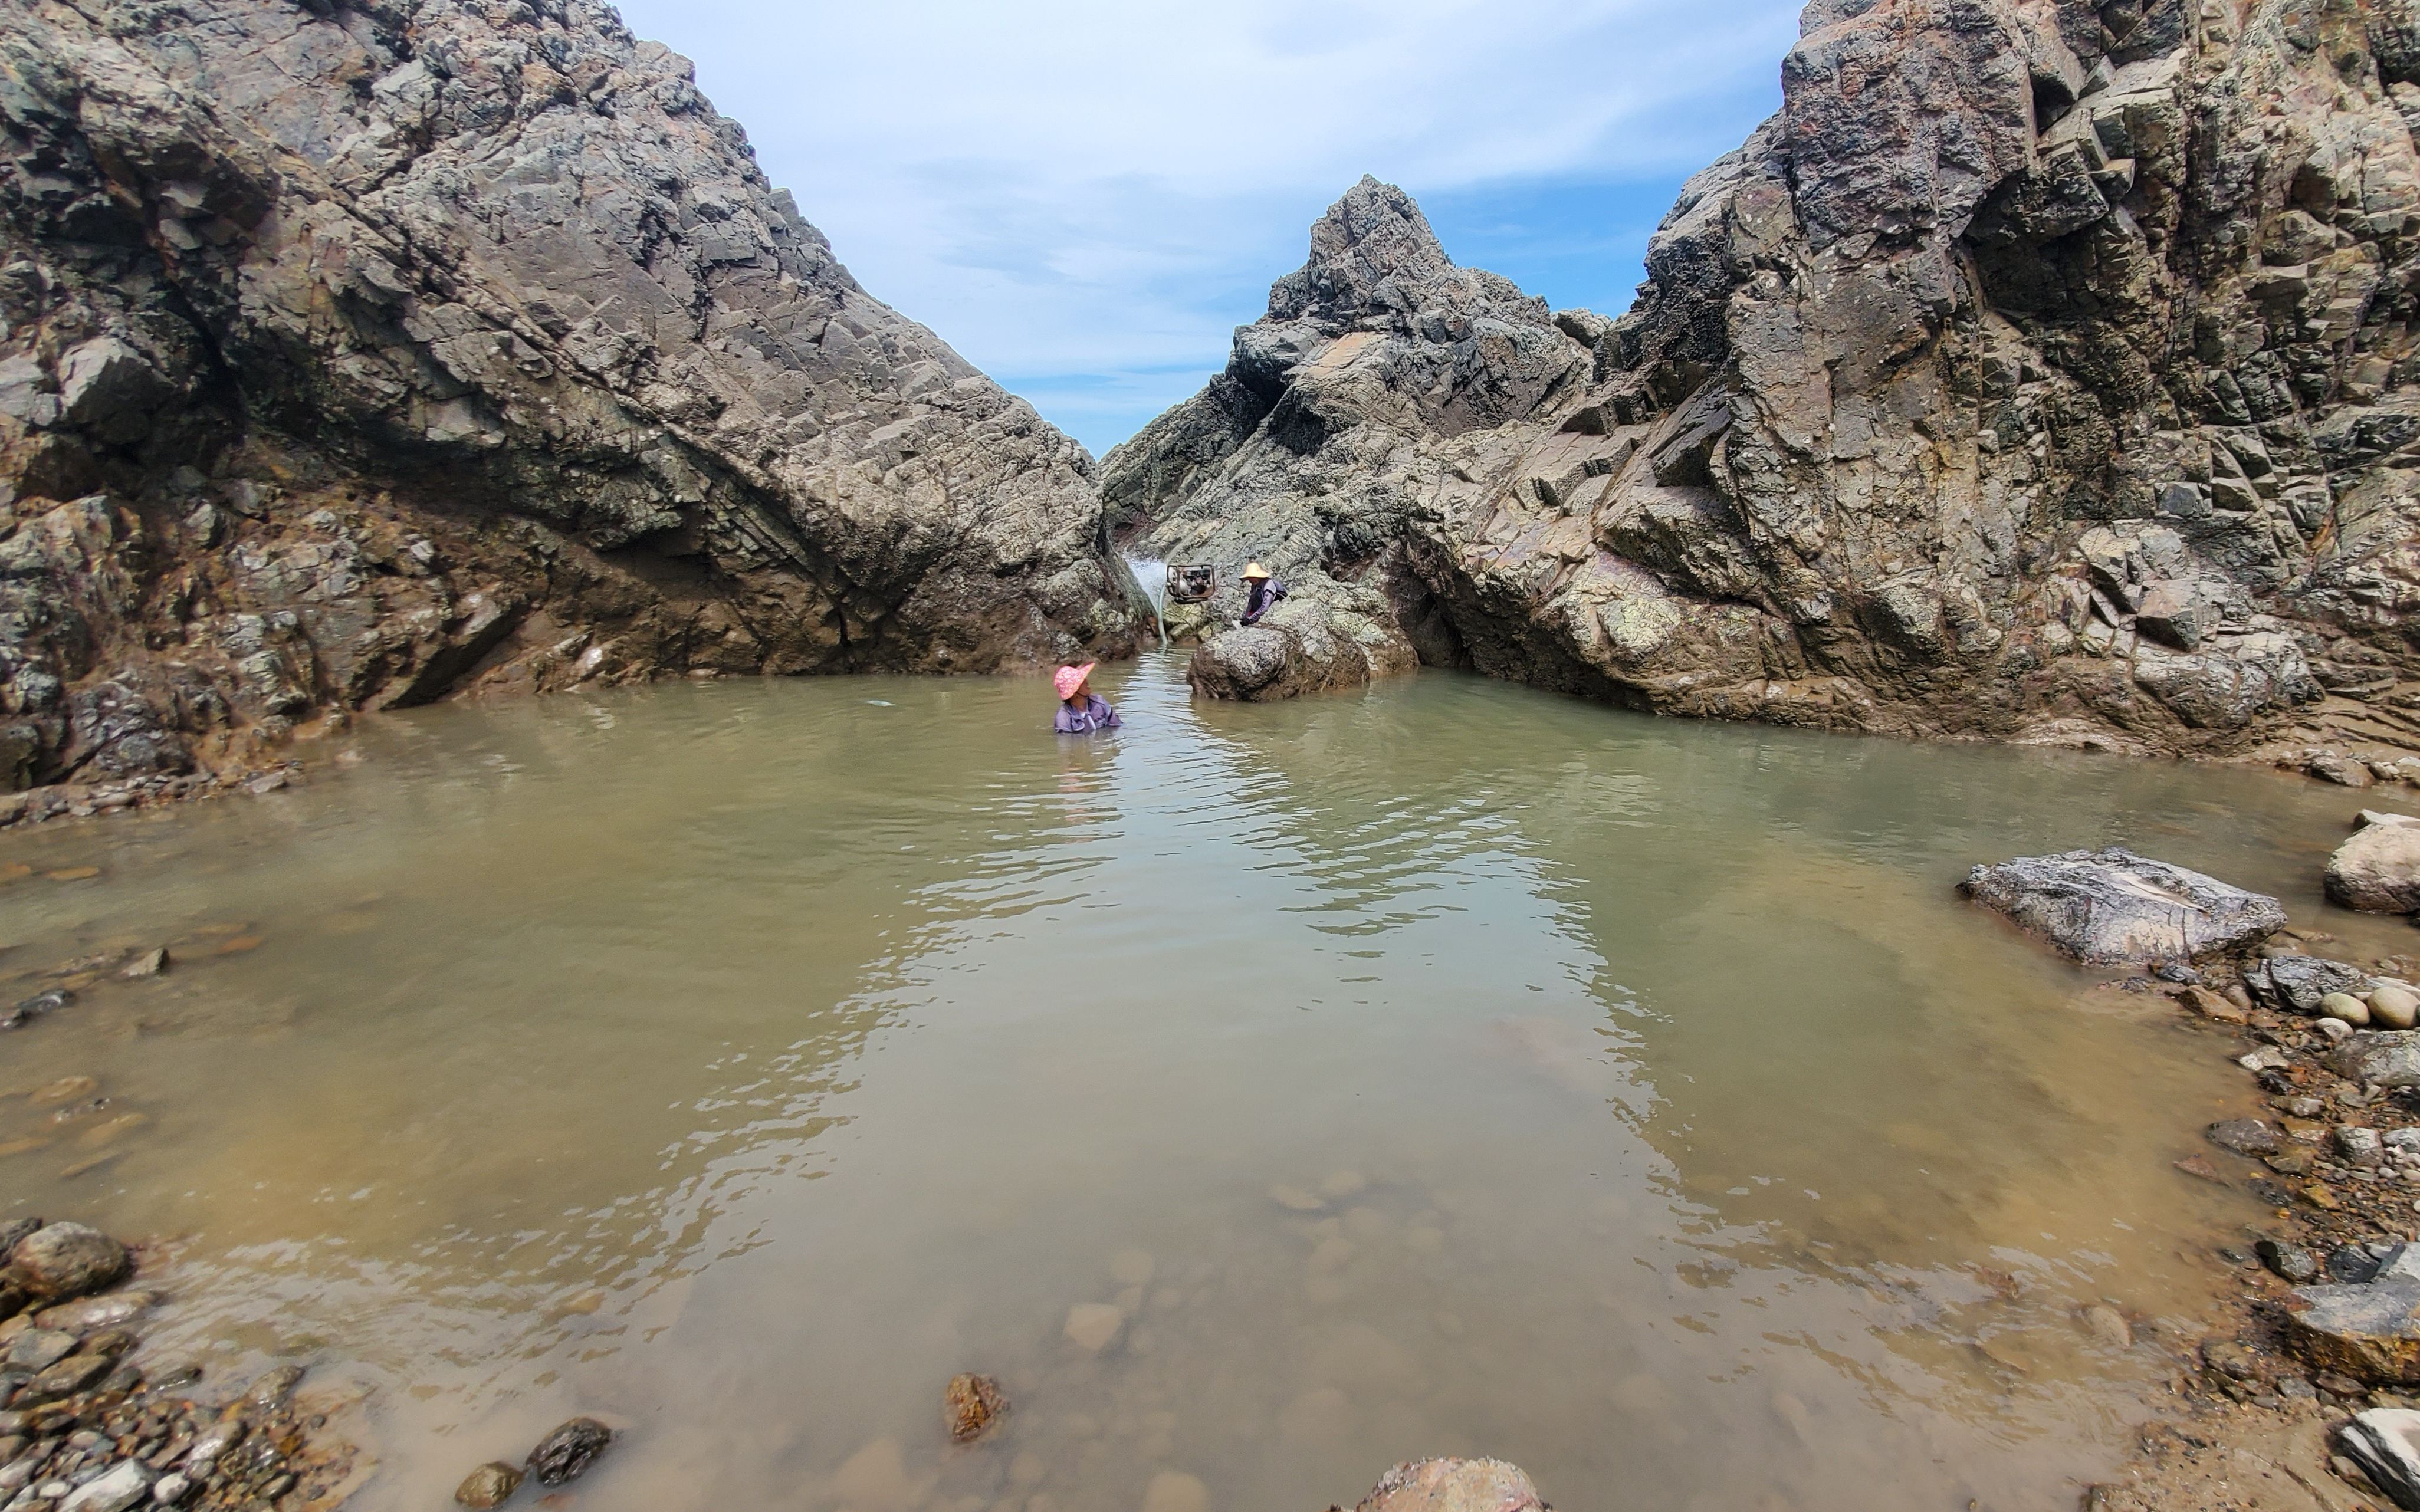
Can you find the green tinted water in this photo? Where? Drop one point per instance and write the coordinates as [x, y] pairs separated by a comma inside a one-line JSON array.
[[737, 1062]]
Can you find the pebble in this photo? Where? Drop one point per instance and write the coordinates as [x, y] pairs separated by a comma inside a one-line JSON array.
[[90, 1313], [2337, 1030], [39, 1349], [150, 963], [2346, 1006], [2244, 1137], [170, 1489], [1093, 1326], [2395, 1008], [2291, 1263], [563, 1454], [488, 1487], [272, 1387], [2358, 1146], [119, 1487]]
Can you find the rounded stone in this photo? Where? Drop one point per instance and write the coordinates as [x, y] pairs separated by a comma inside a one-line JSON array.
[[489, 1486], [2377, 869], [2346, 1006], [1453, 1486], [67, 1259], [2394, 1008]]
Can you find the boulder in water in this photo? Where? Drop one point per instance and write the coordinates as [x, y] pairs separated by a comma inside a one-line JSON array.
[[66, 1260], [2377, 869], [2113, 907], [1453, 1486]]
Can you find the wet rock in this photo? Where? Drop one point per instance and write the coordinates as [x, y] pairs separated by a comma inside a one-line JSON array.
[[1453, 1486], [970, 1404], [488, 1487], [2345, 1008], [39, 1348], [67, 1259], [214, 1442], [63, 1379], [151, 963], [2244, 1137], [124, 1485], [2371, 1333], [2298, 984], [2290, 1261], [171, 1489], [271, 1389], [2211, 1006], [2106, 1323], [1093, 1326], [2113, 907], [2337, 767], [568, 1450], [2377, 869]]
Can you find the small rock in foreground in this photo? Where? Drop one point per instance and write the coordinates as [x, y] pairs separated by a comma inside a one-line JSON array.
[[2385, 1443], [565, 1453], [67, 1259], [2245, 1137], [2115, 908], [489, 1486], [2371, 1333], [970, 1404], [1453, 1486]]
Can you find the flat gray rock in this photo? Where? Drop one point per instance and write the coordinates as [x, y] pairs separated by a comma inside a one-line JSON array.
[[2114, 907], [2371, 1333]]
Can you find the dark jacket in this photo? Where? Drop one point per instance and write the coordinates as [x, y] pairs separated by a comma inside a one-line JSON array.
[[1263, 598]]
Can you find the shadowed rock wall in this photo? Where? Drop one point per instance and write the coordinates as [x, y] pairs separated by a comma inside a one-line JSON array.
[[357, 354]]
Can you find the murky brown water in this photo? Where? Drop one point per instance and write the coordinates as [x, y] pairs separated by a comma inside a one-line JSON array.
[[737, 1062]]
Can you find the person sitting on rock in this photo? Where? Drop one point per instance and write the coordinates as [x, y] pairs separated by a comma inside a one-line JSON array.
[[1261, 592], [1081, 711]]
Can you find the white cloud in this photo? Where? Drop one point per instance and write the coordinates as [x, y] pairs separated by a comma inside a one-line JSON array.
[[1083, 195]]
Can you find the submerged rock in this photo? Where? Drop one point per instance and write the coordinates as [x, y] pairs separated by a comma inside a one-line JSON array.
[[1453, 1486], [971, 1405], [563, 1454], [2114, 907]]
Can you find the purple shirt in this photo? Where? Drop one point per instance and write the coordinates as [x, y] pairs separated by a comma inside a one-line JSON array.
[[1095, 715], [1263, 598]]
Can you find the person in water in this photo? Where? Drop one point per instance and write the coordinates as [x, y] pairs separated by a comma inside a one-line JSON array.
[[1261, 592], [1081, 711]]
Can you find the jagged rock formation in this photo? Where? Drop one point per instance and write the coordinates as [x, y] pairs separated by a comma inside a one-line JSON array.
[[360, 351], [2043, 371]]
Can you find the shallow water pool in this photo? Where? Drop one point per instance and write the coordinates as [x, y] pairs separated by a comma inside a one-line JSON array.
[[1447, 1069]]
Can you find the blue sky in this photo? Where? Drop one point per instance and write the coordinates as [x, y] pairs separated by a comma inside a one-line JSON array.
[[1086, 197]]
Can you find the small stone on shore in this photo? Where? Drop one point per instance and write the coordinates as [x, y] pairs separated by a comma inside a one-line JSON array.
[[489, 1486], [2244, 1137], [563, 1454], [64, 1260], [2344, 1007], [2392, 1007], [2291, 1262]]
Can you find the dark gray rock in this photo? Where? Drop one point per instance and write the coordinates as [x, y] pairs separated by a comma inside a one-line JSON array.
[[568, 1450], [2245, 1137], [2114, 907], [2289, 1261], [2385, 1442], [2371, 1333], [2298, 984]]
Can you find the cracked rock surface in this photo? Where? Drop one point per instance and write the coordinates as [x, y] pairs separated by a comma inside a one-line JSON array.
[[2043, 372], [352, 354]]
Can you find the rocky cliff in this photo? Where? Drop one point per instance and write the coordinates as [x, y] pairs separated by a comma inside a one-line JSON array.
[[2045, 370], [355, 353]]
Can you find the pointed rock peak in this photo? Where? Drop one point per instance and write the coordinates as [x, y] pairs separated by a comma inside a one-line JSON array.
[[1371, 251]]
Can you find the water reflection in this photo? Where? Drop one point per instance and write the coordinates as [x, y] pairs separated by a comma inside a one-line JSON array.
[[1449, 1067]]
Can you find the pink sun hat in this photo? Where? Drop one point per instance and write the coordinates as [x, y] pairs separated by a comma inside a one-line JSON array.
[[1067, 679]]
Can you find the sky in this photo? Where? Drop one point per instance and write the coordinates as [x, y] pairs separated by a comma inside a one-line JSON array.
[[1085, 197]]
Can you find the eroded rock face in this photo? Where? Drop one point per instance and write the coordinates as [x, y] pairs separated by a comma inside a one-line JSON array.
[[2113, 907], [2040, 372], [362, 352]]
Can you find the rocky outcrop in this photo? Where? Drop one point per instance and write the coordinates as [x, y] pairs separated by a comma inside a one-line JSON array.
[[2040, 372], [359, 352], [2115, 908]]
